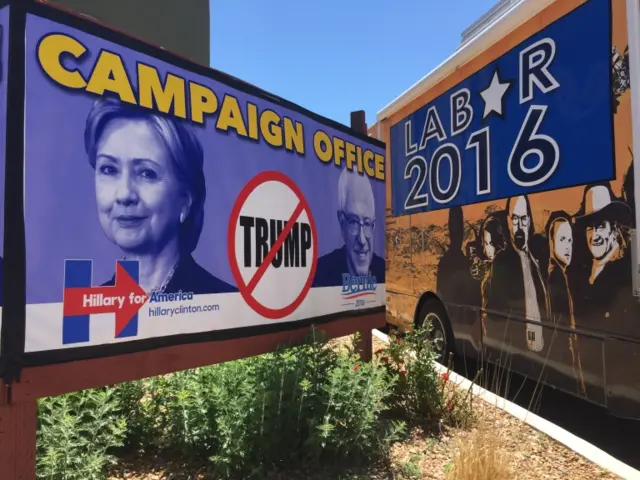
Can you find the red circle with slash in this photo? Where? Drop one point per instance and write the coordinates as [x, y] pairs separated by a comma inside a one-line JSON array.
[[247, 289]]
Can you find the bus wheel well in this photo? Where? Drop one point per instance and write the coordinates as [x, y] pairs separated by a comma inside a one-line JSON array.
[[424, 298], [439, 332]]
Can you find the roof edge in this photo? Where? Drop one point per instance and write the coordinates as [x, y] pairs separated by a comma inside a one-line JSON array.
[[500, 27]]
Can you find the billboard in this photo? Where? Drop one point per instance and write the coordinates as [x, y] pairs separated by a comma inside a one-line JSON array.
[[166, 203]]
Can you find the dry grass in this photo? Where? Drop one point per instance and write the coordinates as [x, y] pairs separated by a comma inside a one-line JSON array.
[[480, 456]]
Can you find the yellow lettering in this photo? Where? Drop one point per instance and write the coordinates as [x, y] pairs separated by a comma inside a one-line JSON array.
[[368, 158], [351, 155], [359, 157], [322, 146], [293, 136], [109, 75], [252, 111], [270, 128], [338, 150], [379, 159], [231, 116], [150, 88], [203, 100], [50, 49]]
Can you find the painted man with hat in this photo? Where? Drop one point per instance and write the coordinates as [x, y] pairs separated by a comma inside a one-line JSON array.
[[606, 296]]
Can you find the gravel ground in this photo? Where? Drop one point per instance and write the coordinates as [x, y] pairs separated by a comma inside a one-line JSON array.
[[531, 454]]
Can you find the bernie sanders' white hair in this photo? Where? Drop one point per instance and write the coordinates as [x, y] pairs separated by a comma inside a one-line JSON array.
[[351, 181]]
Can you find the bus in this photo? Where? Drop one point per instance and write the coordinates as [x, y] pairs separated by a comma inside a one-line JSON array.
[[510, 215]]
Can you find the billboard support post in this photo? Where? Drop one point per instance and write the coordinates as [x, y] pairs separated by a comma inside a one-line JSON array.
[[18, 425], [365, 342]]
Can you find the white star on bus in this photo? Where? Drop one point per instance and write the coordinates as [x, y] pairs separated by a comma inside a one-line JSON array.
[[492, 96]]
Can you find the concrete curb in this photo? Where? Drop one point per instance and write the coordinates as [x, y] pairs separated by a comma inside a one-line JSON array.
[[569, 440]]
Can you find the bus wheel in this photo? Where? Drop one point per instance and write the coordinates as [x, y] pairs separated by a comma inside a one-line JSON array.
[[433, 314]]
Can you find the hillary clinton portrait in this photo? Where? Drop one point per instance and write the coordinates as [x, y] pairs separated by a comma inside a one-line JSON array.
[[150, 194]]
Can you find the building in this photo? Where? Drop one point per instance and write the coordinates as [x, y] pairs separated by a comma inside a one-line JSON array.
[[181, 26], [484, 21]]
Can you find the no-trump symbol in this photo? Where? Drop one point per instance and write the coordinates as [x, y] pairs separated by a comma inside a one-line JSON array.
[[273, 245]]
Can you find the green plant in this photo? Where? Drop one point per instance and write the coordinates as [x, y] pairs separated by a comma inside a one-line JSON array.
[[131, 398], [77, 434], [418, 391], [410, 469], [297, 407], [303, 405], [293, 407], [422, 392]]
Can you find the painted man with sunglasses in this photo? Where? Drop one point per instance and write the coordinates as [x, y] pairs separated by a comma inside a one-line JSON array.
[[357, 220], [516, 287]]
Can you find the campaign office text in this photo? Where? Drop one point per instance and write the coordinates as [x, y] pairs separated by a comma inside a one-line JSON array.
[[59, 54]]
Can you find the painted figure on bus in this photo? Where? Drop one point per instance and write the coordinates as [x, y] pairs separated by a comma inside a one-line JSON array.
[[492, 241], [454, 282], [560, 234], [516, 285], [357, 220], [604, 294]]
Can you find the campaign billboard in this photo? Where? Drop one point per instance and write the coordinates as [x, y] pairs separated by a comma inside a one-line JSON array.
[[167, 203]]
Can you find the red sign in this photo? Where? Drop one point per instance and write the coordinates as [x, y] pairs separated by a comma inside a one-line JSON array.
[[247, 289], [124, 299]]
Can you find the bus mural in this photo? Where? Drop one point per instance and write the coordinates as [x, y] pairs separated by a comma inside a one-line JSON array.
[[511, 214]]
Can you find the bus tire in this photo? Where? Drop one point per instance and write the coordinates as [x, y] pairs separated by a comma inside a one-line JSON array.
[[440, 332]]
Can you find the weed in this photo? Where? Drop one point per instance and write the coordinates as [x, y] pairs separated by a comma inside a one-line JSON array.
[[77, 433], [410, 469], [480, 456]]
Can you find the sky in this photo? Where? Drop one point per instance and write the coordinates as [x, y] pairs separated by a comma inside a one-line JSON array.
[[336, 56]]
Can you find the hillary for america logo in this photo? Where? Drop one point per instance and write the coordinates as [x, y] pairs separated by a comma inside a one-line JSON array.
[[124, 299]]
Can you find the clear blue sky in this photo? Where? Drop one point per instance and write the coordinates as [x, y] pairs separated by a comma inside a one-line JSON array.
[[335, 56]]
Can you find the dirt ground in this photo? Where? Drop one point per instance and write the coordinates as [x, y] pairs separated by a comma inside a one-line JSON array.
[[531, 455]]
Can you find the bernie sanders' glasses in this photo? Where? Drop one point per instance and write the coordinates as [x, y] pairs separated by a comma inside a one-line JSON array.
[[354, 225]]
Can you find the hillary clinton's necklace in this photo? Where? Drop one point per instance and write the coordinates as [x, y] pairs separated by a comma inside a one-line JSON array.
[[166, 281], [161, 288]]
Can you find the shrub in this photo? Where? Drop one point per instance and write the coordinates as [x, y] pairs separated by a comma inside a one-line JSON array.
[[131, 399], [77, 433], [305, 405], [294, 407], [421, 392], [297, 407]]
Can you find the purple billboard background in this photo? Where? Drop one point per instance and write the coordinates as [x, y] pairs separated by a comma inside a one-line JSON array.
[[60, 209]]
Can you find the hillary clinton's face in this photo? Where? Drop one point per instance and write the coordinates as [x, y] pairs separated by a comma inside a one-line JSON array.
[[138, 195]]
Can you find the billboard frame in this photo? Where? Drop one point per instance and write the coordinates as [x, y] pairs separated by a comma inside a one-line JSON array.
[[25, 377], [13, 336]]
